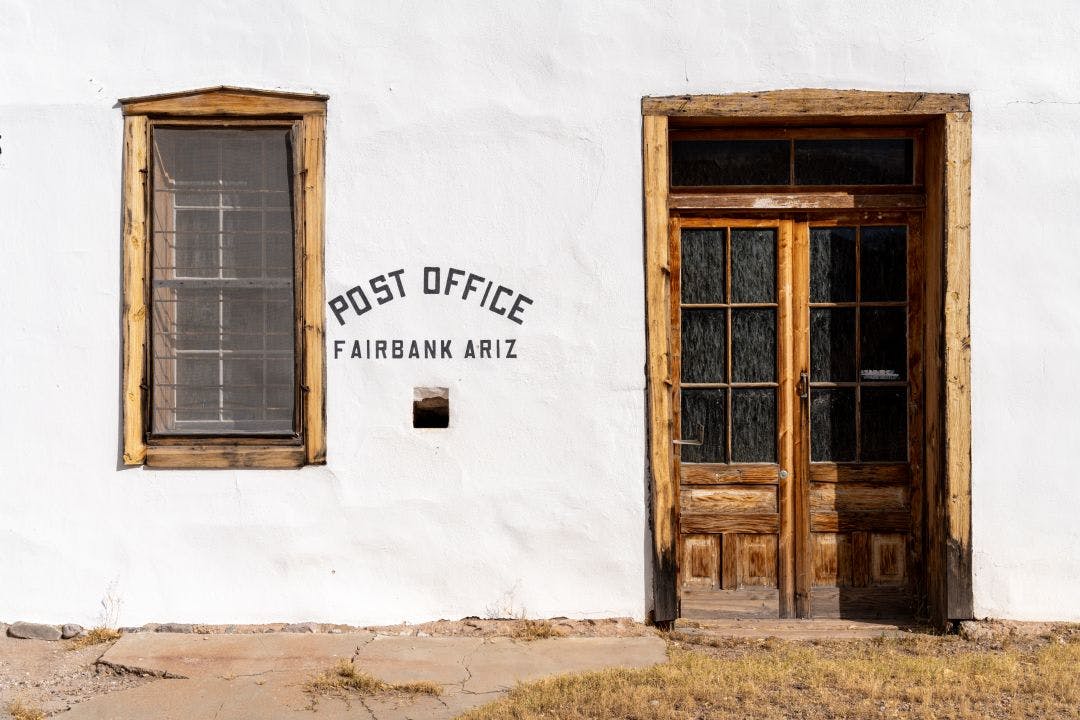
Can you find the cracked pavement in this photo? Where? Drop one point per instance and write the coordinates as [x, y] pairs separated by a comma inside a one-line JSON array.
[[261, 676]]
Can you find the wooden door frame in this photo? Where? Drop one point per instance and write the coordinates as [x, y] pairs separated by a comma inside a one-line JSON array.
[[947, 346]]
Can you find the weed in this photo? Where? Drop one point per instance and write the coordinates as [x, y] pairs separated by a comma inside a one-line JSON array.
[[94, 637], [345, 679], [19, 711], [535, 630]]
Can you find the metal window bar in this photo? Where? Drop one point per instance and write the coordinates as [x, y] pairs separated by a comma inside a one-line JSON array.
[[222, 281]]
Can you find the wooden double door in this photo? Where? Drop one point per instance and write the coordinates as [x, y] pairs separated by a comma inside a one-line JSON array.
[[798, 420]]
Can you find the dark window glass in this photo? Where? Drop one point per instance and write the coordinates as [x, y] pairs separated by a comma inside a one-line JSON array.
[[883, 344], [832, 424], [854, 162], [753, 425], [753, 345], [703, 354], [704, 414], [222, 343], [832, 344], [884, 424], [883, 263], [753, 265], [832, 264], [703, 265], [730, 162]]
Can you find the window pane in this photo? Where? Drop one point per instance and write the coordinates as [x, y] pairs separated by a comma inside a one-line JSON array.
[[832, 344], [883, 344], [730, 162], [703, 355], [832, 264], [703, 265], [832, 424], [883, 424], [753, 345], [854, 162], [753, 425], [704, 414], [222, 280], [882, 263], [753, 265]]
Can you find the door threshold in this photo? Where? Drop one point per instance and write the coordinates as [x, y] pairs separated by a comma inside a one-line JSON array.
[[800, 629]]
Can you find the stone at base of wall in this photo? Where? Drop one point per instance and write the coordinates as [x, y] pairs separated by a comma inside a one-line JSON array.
[[34, 631], [71, 630]]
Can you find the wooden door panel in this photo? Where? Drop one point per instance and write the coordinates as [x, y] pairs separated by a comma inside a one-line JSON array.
[[699, 565], [729, 310], [863, 368], [741, 582], [731, 499]]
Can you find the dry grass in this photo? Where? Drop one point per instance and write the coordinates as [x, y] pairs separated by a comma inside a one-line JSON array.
[[922, 677], [344, 679], [535, 630], [94, 637], [19, 711]]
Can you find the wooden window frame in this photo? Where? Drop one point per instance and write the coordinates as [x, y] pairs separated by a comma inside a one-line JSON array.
[[944, 119], [224, 107]]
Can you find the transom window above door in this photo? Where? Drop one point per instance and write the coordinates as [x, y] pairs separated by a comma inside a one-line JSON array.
[[796, 158]]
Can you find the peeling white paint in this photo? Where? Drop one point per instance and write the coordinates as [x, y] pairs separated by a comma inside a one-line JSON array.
[[503, 138]]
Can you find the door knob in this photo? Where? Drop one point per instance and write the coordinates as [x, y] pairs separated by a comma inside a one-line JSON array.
[[803, 388]]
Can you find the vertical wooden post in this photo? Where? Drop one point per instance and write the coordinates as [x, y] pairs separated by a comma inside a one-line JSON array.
[[314, 380], [933, 364], [136, 303], [800, 477], [787, 407], [958, 362], [660, 383]]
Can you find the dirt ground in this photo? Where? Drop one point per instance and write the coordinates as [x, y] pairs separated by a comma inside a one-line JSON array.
[[52, 676], [995, 671], [49, 676]]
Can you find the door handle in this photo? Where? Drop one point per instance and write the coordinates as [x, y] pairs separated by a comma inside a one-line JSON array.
[[803, 388], [699, 441]]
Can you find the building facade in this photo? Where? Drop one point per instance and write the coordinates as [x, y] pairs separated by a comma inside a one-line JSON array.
[[472, 368]]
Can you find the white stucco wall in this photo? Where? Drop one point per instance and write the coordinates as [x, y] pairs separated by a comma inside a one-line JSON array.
[[501, 138]]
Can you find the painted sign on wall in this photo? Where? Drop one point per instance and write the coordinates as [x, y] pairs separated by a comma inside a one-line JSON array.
[[468, 286]]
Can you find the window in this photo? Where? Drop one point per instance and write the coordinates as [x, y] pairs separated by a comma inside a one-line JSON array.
[[223, 275], [795, 157]]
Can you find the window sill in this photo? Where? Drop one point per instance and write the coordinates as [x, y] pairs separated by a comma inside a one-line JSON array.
[[225, 456]]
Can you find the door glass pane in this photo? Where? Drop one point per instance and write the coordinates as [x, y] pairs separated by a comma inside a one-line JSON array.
[[753, 265], [703, 265], [832, 264], [753, 345], [753, 425], [832, 424], [884, 424], [854, 162], [704, 414], [730, 162], [703, 354], [882, 264], [883, 343], [832, 344]]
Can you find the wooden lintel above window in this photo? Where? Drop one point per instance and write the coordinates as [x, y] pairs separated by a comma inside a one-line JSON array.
[[816, 103], [226, 101], [796, 201]]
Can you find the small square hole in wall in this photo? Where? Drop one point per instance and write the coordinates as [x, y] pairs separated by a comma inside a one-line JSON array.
[[431, 407]]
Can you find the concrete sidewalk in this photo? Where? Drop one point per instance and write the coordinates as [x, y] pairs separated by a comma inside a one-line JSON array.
[[229, 677]]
